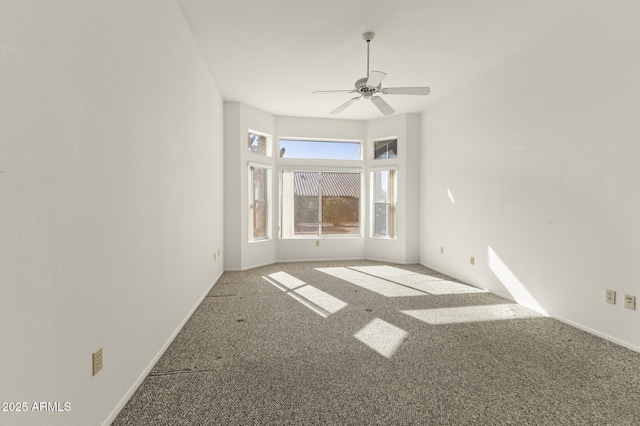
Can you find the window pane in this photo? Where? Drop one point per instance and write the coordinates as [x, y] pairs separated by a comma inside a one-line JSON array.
[[258, 144], [259, 220], [310, 198], [324, 150], [340, 203], [306, 202], [384, 199], [381, 219], [259, 202], [259, 184], [381, 185], [386, 149]]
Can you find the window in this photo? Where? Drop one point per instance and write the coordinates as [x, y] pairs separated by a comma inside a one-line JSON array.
[[383, 188], [259, 143], [385, 149], [259, 203], [325, 203], [322, 150]]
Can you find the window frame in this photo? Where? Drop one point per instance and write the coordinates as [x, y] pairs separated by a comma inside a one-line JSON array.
[[391, 202], [268, 144], [319, 234], [251, 166], [388, 139], [321, 140]]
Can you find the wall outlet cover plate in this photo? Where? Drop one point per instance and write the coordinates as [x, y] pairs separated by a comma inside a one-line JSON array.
[[96, 359], [630, 302]]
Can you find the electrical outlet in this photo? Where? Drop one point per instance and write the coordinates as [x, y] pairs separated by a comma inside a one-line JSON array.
[[97, 361], [441, 250], [218, 252], [630, 302], [214, 257], [317, 243], [472, 260], [611, 297]]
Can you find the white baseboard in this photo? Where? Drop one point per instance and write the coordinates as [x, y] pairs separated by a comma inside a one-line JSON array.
[[605, 336], [328, 259], [246, 268], [321, 260], [579, 326], [112, 416], [397, 262]]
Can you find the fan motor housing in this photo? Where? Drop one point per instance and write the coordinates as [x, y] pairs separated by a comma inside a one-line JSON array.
[[362, 88]]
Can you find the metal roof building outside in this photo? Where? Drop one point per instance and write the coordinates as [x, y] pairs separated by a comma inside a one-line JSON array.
[[334, 184]]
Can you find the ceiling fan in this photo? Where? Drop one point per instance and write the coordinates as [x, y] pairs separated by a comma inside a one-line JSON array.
[[368, 87]]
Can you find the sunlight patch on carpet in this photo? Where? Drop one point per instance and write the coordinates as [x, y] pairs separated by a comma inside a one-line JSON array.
[[315, 299], [438, 286], [382, 337], [288, 281], [410, 279], [396, 282], [375, 284], [467, 314], [382, 270], [324, 300]]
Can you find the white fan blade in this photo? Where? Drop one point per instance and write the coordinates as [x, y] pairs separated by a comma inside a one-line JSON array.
[[382, 105], [344, 105], [375, 78], [406, 91], [334, 91]]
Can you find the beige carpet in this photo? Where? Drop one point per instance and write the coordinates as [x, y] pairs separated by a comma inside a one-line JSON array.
[[358, 342]]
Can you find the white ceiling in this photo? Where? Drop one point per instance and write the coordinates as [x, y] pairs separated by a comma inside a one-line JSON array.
[[271, 54]]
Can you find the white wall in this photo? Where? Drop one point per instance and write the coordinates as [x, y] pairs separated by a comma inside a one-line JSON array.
[[540, 158], [232, 183], [110, 198], [240, 253]]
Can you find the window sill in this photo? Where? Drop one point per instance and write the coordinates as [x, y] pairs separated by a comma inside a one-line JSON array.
[[262, 240], [322, 237]]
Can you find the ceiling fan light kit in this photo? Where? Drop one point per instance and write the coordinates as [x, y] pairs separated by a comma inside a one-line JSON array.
[[368, 87]]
